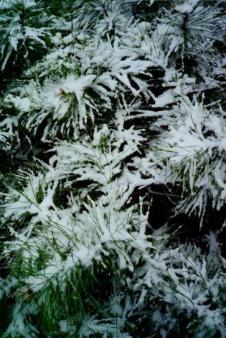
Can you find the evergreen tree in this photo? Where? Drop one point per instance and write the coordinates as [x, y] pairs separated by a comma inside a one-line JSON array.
[[113, 168]]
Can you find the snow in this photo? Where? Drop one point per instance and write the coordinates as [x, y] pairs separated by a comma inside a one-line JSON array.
[[187, 7], [107, 119]]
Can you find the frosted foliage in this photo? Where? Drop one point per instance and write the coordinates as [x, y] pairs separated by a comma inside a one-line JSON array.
[[113, 168], [65, 104], [187, 285], [7, 131], [101, 229], [194, 148], [18, 30]]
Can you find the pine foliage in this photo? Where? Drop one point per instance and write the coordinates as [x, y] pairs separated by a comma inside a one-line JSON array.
[[113, 168]]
